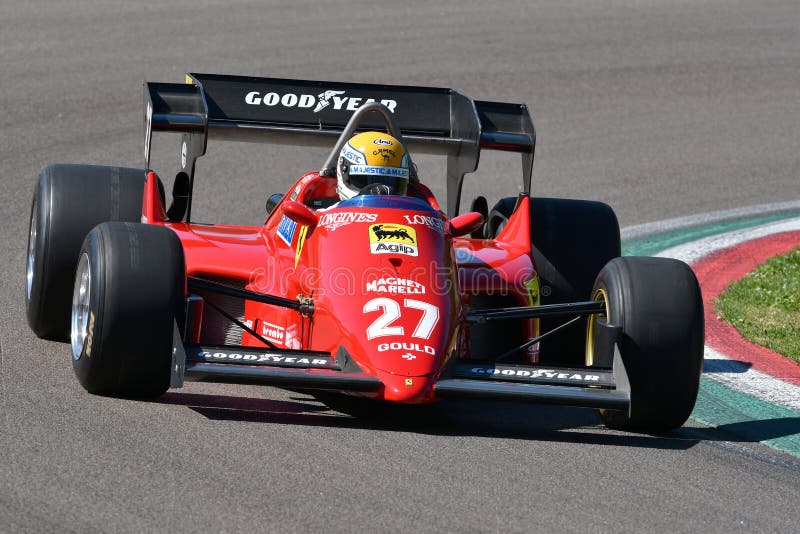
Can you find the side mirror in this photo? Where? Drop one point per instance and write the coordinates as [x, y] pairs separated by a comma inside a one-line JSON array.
[[300, 213], [272, 201], [480, 205], [464, 224]]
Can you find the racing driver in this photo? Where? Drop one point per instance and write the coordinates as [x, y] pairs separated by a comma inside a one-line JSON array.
[[372, 163]]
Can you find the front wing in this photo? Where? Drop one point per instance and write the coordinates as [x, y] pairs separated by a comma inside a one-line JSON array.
[[581, 387]]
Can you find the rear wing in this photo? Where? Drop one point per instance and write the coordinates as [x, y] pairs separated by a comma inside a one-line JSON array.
[[314, 113]]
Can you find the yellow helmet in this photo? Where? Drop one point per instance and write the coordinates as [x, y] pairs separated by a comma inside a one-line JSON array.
[[372, 159]]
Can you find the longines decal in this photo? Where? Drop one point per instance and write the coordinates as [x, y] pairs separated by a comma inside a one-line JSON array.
[[332, 221], [427, 220]]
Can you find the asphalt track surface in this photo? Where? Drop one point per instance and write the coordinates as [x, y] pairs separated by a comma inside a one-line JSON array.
[[661, 109]]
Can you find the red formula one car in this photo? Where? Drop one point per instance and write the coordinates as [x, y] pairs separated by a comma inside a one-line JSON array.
[[381, 296]]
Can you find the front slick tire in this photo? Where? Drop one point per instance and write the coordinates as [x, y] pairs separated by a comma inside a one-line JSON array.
[[129, 289], [658, 305]]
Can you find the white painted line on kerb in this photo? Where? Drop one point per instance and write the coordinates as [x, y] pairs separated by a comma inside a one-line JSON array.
[[736, 375], [641, 230], [695, 250]]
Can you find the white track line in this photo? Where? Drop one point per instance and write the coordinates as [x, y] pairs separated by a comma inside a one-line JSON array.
[[737, 376], [641, 230], [695, 250]]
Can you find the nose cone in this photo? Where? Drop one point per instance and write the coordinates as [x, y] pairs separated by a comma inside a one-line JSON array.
[[387, 290], [407, 389]]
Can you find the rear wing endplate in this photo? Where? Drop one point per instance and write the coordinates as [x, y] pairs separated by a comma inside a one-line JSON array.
[[314, 113]]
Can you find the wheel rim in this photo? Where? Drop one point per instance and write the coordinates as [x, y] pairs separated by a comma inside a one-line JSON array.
[[80, 307], [31, 253], [599, 296]]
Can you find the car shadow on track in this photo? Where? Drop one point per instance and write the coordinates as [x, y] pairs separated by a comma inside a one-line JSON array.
[[505, 420], [763, 430], [711, 365]]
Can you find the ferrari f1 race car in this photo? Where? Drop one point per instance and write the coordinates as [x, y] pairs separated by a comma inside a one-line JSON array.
[[382, 295]]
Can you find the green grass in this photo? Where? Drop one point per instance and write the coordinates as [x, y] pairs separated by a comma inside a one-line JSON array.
[[765, 305]]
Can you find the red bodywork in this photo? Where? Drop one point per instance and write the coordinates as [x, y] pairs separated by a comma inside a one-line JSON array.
[[388, 280]]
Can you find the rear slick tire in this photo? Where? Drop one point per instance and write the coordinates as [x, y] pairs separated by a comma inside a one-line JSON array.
[[658, 305], [69, 200], [571, 241], [128, 293]]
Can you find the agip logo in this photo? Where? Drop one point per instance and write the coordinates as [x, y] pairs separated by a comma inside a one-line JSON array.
[[389, 238]]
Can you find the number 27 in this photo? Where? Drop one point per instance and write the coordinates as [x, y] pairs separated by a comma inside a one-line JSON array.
[[382, 326]]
